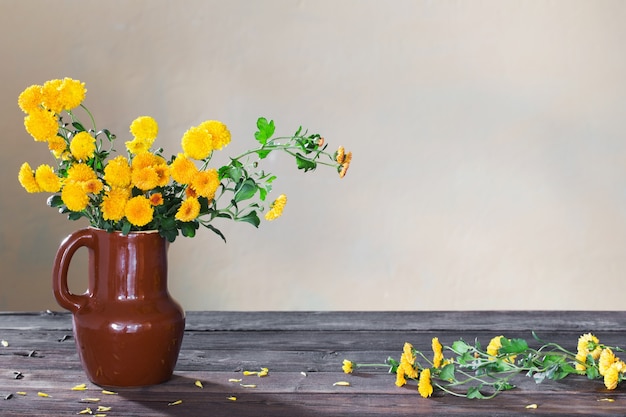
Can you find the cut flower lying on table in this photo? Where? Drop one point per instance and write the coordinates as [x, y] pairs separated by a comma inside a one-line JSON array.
[[473, 372], [143, 190]]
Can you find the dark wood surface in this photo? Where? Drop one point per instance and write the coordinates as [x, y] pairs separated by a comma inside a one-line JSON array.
[[303, 352]]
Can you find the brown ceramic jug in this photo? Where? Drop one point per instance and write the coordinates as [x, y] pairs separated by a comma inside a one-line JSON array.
[[127, 327]]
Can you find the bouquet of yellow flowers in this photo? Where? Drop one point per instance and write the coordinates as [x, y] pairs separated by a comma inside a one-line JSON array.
[[143, 190]]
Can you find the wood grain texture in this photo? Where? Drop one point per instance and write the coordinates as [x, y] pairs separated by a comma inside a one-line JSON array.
[[303, 351]]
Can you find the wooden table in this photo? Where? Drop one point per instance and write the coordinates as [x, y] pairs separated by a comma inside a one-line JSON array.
[[303, 352]]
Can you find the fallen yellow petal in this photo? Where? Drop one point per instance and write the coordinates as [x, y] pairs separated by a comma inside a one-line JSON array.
[[609, 400], [531, 406], [264, 372], [199, 384], [4, 343], [342, 383], [99, 415], [176, 402], [248, 385], [80, 387], [105, 392], [20, 393], [248, 373], [42, 394], [103, 408], [86, 411], [232, 398], [234, 380], [303, 373], [90, 400]]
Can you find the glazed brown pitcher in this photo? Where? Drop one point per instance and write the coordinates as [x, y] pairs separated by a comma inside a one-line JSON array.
[[127, 327]]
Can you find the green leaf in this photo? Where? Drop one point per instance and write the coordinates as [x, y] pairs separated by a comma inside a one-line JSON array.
[[263, 153], [55, 201], [79, 127], [75, 215], [447, 372], [460, 347], [169, 234], [474, 392], [216, 231], [512, 345], [246, 190], [188, 229], [305, 163], [251, 218], [126, 226], [266, 130]]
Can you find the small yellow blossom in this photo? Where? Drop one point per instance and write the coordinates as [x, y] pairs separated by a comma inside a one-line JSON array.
[[138, 211], [345, 165], [57, 146], [117, 172], [81, 173], [145, 178], [30, 99], [340, 155], [83, 146], [71, 93], [137, 147], [277, 208], [145, 128], [183, 169], [348, 366], [198, 384], [220, 136], [114, 203], [156, 199], [27, 179], [189, 210], [41, 125], [588, 344], [74, 196], [611, 377], [424, 386], [607, 358], [197, 143], [205, 183], [52, 100], [263, 372], [437, 352]]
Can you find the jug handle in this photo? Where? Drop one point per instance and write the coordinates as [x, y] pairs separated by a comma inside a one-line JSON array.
[[76, 240]]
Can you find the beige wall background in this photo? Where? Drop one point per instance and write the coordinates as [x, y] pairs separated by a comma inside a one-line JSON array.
[[489, 165]]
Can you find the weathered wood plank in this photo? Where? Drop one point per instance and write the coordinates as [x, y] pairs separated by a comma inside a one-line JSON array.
[[350, 320]]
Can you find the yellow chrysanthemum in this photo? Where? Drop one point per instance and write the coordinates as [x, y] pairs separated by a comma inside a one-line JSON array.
[[145, 178], [74, 197], [340, 155], [189, 210], [494, 346], [117, 172], [400, 377], [611, 376], [114, 204], [437, 352], [27, 179], [408, 355], [57, 146], [220, 135], [277, 208], [205, 183], [81, 173], [197, 143], [156, 199], [348, 366], [424, 386], [46, 179], [163, 173], [41, 125], [30, 99], [145, 129], [51, 92], [92, 186], [71, 93], [137, 147], [607, 358], [183, 169], [83, 146], [139, 211], [587, 344]]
